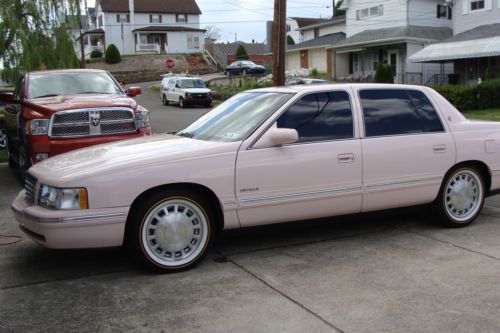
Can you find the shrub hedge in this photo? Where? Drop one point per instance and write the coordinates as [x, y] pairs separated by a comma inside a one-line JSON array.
[[96, 54], [112, 55], [384, 74], [485, 95]]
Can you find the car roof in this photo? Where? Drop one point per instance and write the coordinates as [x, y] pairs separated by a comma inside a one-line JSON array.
[[62, 71], [330, 86]]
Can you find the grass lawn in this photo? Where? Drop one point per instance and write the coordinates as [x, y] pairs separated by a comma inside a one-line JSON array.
[[3, 156], [155, 88], [488, 114]]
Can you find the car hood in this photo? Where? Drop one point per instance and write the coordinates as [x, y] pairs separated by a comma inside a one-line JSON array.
[[112, 158], [71, 102], [197, 90]]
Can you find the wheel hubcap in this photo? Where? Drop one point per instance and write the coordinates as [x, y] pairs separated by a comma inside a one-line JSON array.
[[3, 139], [463, 195], [175, 232]]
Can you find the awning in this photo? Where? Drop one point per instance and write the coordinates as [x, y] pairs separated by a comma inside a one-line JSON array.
[[479, 48]]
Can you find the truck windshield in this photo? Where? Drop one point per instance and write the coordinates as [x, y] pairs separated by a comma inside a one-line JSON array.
[[195, 83], [70, 83], [236, 118]]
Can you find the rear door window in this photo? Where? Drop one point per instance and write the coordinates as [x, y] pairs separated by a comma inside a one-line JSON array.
[[320, 117], [397, 112]]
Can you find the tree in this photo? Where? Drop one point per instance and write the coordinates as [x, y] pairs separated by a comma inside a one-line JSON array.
[[112, 55], [384, 74], [34, 35], [241, 53], [212, 33], [290, 40], [338, 11]]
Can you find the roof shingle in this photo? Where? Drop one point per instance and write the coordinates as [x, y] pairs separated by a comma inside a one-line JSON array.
[[326, 40], [152, 6]]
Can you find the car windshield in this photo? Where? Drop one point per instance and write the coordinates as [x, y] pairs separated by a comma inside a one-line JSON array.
[[71, 83], [236, 118], [192, 83]]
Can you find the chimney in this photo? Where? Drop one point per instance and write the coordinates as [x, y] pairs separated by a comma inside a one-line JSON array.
[[333, 9], [132, 11], [269, 35]]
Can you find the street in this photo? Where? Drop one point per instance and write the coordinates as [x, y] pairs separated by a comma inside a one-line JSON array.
[[390, 271]]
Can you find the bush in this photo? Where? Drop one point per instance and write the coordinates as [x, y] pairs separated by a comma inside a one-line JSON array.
[[112, 55], [314, 72], [462, 97], [95, 54], [488, 94], [241, 53], [384, 74]]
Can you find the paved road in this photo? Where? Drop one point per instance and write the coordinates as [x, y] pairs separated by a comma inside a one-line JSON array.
[[391, 272], [168, 118]]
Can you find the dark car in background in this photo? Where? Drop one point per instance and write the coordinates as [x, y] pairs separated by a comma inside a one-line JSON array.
[[244, 67]]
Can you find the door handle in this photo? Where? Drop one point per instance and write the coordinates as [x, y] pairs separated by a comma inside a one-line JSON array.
[[439, 148], [345, 158]]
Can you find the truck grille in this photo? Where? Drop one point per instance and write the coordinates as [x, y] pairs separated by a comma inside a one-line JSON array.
[[29, 186], [88, 122]]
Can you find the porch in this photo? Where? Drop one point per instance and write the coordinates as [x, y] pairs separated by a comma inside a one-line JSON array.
[[151, 42], [93, 40]]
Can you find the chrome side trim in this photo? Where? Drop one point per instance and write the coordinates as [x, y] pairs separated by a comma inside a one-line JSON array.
[[71, 219], [405, 182], [229, 203], [299, 195], [495, 171]]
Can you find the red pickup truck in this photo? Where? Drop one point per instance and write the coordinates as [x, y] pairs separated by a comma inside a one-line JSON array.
[[52, 112]]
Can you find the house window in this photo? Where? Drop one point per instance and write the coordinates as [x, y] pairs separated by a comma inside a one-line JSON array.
[[316, 33], [288, 28], [181, 18], [369, 12], [193, 42], [443, 12], [475, 5], [374, 61], [125, 18], [100, 21], [154, 18]]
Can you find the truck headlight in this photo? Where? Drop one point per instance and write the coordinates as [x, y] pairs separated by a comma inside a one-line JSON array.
[[39, 126], [142, 119], [62, 198]]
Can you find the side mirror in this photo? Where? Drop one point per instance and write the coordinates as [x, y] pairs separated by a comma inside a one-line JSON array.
[[7, 97], [177, 85], [278, 137], [133, 91]]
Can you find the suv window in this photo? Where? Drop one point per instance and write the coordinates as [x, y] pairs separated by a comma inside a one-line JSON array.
[[396, 112], [320, 117]]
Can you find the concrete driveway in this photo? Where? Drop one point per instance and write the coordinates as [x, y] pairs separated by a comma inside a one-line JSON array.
[[384, 272]]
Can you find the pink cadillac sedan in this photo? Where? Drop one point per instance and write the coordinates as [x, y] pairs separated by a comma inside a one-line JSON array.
[[265, 156]]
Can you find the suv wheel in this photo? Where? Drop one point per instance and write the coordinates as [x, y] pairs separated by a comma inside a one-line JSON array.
[[181, 103], [164, 100]]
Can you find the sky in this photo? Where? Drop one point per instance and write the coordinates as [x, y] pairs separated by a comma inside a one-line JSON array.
[[246, 19]]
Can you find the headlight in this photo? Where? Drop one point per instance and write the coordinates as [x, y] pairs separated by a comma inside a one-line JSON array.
[[39, 126], [142, 119], [62, 198]]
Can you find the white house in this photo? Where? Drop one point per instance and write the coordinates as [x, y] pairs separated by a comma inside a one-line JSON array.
[[312, 51], [145, 26], [475, 47], [389, 31], [294, 24]]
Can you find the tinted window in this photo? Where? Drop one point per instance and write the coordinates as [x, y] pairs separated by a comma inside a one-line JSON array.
[[426, 112], [389, 112], [319, 117]]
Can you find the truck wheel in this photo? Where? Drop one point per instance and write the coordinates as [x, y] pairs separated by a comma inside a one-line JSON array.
[[461, 197], [165, 100], [171, 230], [24, 162], [181, 103]]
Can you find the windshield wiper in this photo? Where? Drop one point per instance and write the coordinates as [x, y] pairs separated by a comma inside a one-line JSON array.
[[48, 95]]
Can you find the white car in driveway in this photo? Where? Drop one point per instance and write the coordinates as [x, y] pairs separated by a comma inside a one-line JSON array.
[[185, 90], [265, 156]]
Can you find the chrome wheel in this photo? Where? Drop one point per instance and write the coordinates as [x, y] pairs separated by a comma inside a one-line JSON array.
[[463, 195], [175, 232], [3, 139]]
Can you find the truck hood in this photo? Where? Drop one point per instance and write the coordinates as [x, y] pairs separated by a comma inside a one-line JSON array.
[[112, 158], [50, 105]]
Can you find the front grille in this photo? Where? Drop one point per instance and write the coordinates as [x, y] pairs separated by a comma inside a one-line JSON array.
[[88, 122], [29, 186], [199, 96]]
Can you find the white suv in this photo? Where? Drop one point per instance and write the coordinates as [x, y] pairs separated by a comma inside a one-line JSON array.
[[184, 90]]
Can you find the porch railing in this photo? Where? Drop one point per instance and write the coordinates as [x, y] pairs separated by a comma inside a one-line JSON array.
[[409, 78], [147, 48]]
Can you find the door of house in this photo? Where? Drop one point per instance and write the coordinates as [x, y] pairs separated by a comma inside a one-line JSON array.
[[393, 62], [163, 43], [304, 59]]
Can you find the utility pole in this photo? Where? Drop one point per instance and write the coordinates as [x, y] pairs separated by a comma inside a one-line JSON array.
[[279, 42]]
